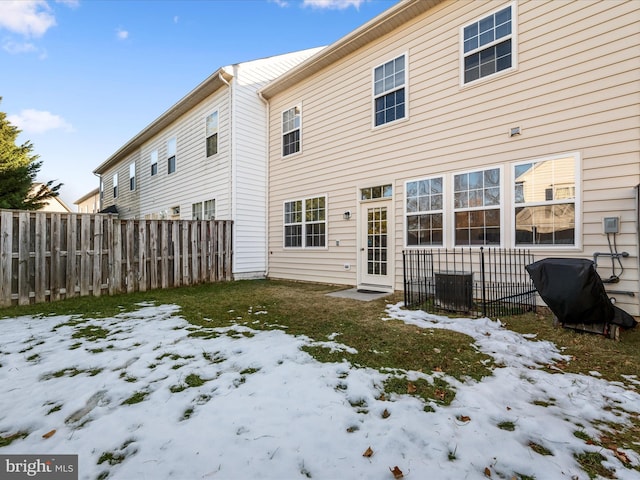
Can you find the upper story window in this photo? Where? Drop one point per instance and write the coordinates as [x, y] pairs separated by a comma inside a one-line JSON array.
[[545, 201], [488, 45], [477, 206], [154, 162], [291, 125], [115, 185], [132, 176], [424, 212], [171, 155], [305, 222], [212, 134], [389, 91]]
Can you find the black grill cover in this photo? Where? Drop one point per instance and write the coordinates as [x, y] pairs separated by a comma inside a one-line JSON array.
[[572, 289]]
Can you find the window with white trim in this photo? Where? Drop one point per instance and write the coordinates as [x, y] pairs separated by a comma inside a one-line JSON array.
[[171, 155], [389, 99], [545, 201], [305, 223], [488, 45], [212, 133], [115, 185], [477, 207], [154, 162], [424, 212], [132, 176], [291, 129], [203, 210]]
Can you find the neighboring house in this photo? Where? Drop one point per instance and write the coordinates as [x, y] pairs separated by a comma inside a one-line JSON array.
[[53, 204], [89, 203], [455, 123], [204, 158]]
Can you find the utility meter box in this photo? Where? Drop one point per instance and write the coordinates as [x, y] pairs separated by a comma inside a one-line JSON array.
[[611, 224]]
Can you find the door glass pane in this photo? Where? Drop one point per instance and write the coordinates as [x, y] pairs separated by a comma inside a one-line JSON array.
[[377, 241]]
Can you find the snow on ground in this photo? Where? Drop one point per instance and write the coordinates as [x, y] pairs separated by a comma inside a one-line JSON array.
[[239, 404]]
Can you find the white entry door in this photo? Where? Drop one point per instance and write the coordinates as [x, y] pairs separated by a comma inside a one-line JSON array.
[[376, 246]]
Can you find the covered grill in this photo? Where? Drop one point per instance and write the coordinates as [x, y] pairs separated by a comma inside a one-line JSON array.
[[573, 290]]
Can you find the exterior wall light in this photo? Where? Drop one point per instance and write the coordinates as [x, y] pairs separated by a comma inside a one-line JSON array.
[[347, 215]]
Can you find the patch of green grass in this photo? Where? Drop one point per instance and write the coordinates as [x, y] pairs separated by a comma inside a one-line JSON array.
[[91, 332], [6, 440], [249, 371], [33, 358], [54, 409], [507, 425], [193, 380], [540, 449], [186, 415], [591, 463], [583, 436], [137, 397], [439, 391]]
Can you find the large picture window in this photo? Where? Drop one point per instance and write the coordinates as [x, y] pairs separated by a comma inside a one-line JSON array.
[[291, 126], [488, 45], [424, 212], [305, 223], [545, 201], [389, 91], [477, 203]]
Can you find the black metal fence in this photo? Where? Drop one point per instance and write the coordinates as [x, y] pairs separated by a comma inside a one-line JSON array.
[[488, 282]]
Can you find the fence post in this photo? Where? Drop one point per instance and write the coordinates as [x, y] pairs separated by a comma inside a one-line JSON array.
[[482, 279]]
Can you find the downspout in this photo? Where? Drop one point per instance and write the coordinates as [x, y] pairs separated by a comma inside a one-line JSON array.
[[100, 187], [266, 181], [233, 159]]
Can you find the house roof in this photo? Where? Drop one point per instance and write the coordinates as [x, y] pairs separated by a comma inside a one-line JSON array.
[[214, 82], [86, 196], [384, 23]]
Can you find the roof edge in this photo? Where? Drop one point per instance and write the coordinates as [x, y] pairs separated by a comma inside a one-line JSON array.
[[373, 29], [211, 84]]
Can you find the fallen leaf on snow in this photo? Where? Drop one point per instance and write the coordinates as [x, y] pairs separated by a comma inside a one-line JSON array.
[[397, 473], [386, 413], [368, 452], [464, 418], [411, 388], [622, 456], [49, 434], [487, 472]]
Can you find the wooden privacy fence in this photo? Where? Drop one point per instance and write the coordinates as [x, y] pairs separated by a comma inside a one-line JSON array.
[[48, 256]]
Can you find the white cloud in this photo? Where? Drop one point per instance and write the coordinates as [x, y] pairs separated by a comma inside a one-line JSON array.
[[280, 3], [333, 4], [39, 121], [31, 18], [122, 34], [176, 19], [15, 48]]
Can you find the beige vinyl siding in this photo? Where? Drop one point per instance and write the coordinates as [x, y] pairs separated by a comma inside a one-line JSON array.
[[127, 201], [575, 91], [197, 177]]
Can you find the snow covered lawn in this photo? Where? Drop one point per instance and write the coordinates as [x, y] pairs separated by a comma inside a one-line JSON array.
[[137, 397]]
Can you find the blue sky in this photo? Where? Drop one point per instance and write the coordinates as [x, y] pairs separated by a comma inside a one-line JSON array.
[[81, 78]]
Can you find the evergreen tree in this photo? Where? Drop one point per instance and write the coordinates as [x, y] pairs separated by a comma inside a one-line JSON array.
[[18, 171]]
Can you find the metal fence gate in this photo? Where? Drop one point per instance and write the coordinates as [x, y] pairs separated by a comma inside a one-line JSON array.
[[488, 282]]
